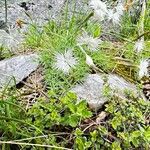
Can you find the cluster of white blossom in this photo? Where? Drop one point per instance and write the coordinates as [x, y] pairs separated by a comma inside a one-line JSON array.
[[100, 9], [65, 62], [102, 12]]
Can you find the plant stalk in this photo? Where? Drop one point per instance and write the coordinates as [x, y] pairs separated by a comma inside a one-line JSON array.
[[6, 11]]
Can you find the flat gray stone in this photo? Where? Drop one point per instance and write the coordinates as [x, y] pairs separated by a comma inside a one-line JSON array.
[[15, 69], [92, 89]]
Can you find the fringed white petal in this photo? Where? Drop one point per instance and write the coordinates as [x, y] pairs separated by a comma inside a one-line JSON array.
[[65, 62]]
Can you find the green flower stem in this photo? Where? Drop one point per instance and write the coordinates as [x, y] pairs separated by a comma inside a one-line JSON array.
[[83, 23]]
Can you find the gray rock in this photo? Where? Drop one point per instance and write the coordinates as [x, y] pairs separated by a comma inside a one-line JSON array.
[[36, 12], [92, 89], [39, 10], [10, 40], [15, 69], [120, 85]]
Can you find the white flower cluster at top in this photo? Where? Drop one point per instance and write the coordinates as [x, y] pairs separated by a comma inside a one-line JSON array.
[[102, 12], [65, 62]]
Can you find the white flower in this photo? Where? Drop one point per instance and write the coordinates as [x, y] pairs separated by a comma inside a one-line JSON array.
[[100, 9], [91, 42], [120, 9], [89, 61], [143, 68], [64, 62], [99, 15], [115, 14], [98, 5], [110, 14], [114, 17], [139, 45]]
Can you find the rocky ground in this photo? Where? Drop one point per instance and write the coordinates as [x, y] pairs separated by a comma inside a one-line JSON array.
[[37, 11], [22, 13]]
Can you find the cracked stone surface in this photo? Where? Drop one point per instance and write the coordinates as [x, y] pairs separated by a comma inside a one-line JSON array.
[[92, 89]]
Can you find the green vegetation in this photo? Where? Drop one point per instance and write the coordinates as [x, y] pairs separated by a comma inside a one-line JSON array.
[[56, 120]]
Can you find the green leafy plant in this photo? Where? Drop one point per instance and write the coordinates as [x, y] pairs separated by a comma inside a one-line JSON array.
[[67, 111], [125, 128], [58, 119]]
